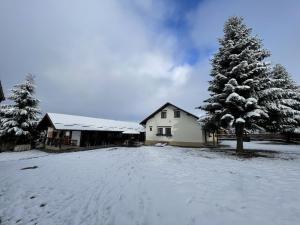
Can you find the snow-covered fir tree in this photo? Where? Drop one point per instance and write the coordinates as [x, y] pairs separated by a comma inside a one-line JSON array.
[[237, 71], [282, 101], [18, 121]]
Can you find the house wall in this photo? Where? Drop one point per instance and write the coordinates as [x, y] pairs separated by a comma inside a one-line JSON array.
[[186, 130]]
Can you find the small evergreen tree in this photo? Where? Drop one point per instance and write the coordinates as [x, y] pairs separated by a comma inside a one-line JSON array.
[[209, 127], [237, 71], [282, 101], [2, 97], [18, 121]]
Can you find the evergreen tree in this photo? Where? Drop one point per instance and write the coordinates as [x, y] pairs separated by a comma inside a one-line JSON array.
[[282, 101], [2, 97], [209, 126], [18, 121], [237, 71]]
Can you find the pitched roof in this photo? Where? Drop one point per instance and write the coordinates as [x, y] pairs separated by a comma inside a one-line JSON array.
[[72, 122], [164, 106], [2, 98]]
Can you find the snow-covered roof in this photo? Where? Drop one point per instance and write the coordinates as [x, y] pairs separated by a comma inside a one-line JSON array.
[[130, 132], [72, 122]]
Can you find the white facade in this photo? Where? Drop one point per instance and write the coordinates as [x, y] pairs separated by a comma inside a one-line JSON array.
[[184, 130]]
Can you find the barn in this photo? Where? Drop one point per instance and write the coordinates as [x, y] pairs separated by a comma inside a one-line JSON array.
[[62, 131]]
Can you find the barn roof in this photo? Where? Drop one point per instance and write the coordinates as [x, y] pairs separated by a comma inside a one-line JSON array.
[[2, 98], [72, 122], [164, 106]]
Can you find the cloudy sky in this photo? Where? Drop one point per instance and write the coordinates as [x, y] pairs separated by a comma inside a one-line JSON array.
[[121, 59]]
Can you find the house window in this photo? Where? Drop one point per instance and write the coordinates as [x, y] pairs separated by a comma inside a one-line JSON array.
[[150, 128], [159, 131], [164, 114], [168, 131], [176, 114]]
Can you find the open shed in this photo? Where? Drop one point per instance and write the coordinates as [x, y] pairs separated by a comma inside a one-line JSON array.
[[64, 131]]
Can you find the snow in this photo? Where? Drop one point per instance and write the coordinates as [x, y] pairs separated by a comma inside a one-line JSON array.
[[148, 185], [221, 77], [72, 122], [266, 145], [240, 120], [130, 132], [250, 102], [161, 144], [252, 114], [229, 88], [227, 117], [243, 87], [8, 156], [234, 97]]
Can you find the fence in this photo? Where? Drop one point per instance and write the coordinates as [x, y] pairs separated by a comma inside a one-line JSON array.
[[262, 137]]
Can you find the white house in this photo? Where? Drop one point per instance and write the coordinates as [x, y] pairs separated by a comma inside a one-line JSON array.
[[175, 126]]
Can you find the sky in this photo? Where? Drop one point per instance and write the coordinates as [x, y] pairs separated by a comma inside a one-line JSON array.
[[122, 59]]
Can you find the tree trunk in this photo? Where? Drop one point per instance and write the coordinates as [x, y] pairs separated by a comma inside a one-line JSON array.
[[239, 132]]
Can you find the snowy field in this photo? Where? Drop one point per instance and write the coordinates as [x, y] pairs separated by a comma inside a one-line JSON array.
[[267, 145], [148, 185]]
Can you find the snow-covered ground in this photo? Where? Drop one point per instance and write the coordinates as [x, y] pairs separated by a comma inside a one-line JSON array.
[[7, 156], [147, 185]]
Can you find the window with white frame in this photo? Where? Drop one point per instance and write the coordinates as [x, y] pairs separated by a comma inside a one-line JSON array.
[[164, 131]]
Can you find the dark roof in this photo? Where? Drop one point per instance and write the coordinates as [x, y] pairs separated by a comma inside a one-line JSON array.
[[2, 98], [45, 122], [164, 106]]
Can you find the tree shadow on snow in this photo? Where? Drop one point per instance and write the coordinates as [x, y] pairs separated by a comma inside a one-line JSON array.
[[29, 168], [256, 153]]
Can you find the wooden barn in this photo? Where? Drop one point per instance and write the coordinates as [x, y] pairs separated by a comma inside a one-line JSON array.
[[63, 132]]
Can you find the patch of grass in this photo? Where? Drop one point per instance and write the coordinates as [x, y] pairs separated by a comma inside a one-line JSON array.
[[247, 154]]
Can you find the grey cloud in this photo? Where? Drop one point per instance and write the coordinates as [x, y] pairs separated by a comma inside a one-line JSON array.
[[91, 58], [115, 59]]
